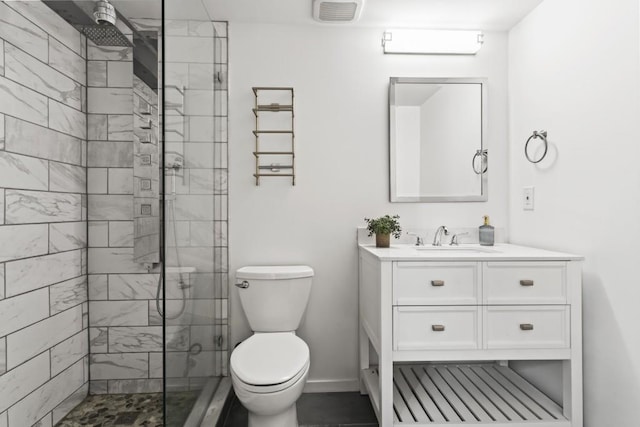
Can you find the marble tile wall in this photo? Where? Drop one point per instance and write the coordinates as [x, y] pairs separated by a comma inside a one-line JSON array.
[[125, 336], [43, 229]]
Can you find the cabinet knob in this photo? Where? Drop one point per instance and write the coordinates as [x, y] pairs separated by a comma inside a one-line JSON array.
[[437, 328], [526, 282], [526, 326], [437, 283]]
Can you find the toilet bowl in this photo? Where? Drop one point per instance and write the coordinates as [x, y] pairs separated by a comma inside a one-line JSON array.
[[268, 372], [270, 368]]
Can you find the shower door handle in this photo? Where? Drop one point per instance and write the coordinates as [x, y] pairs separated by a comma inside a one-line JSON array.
[[243, 285]]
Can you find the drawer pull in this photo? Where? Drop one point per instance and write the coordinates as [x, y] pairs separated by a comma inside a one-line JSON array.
[[437, 283], [526, 282], [526, 326], [437, 328]]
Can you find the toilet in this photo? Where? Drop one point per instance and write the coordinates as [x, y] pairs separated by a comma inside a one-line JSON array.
[[270, 368]]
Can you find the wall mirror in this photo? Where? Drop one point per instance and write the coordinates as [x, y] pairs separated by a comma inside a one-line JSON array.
[[437, 139]]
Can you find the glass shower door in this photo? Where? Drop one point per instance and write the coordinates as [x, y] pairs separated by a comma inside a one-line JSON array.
[[189, 305]]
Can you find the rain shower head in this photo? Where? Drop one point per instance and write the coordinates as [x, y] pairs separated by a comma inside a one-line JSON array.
[[104, 13], [97, 22]]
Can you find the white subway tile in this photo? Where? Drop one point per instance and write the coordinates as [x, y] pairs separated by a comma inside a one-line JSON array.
[[3, 355], [21, 102], [67, 120], [69, 352], [40, 14], [68, 294], [32, 73], [67, 178], [34, 339], [60, 411], [34, 273], [98, 287], [23, 172], [26, 241], [120, 127], [110, 154], [1, 281], [135, 339], [121, 233], [67, 61], [110, 207], [97, 126], [46, 398], [189, 49], [24, 207], [135, 386], [23, 310], [97, 73], [25, 138], [21, 381], [109, 53], [97, 180], [119, 366], [110, 100], [118, 313], [121, 181], [1, 58], [21, 32], [120, 74], [98, 234], [66, 236], [99, 340]]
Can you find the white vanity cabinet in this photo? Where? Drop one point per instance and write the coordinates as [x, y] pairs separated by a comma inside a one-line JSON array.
[[439, 328]]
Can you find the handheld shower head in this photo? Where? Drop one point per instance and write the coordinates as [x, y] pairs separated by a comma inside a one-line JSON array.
[[104, 13]]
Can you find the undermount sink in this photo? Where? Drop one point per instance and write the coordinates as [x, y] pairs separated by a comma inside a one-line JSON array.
[[468, 249]]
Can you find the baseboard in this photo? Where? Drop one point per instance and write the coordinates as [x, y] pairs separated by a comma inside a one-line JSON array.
[[331, 386]]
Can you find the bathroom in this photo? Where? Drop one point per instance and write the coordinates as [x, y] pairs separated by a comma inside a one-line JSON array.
[[571, 68]]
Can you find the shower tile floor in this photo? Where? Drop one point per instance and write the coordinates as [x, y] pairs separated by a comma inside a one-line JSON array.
[[106, 410]]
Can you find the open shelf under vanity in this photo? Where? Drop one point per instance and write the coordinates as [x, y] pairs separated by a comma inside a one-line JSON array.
[[458, 394]]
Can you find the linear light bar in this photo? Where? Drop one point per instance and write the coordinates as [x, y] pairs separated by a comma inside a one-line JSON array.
[[432, 42]]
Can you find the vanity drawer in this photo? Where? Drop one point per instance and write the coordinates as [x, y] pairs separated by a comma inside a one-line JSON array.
[[436, 283], [526, 326], [436, 328], [525, 283]]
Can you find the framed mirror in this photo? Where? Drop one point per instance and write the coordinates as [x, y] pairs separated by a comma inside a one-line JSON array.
[[437, 142]]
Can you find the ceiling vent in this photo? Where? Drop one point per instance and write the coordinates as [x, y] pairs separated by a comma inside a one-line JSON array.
[[337, 10]]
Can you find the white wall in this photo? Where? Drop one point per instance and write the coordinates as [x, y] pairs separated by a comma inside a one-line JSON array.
[[341, 82], [408, 150], [574, 70]]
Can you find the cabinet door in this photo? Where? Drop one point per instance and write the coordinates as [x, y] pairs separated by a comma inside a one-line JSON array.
[[436, 283], [519, 326], [525, 282], [436, 328]]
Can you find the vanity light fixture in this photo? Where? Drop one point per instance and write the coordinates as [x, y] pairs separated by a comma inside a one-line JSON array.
[[432, 42]]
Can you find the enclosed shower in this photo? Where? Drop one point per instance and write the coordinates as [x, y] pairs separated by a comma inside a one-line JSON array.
[[113, 163]]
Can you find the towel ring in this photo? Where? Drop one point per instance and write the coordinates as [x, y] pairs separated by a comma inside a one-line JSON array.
[[484, 161], [543, 136]]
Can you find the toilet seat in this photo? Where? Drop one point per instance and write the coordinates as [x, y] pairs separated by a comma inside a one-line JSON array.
[[270, 362]]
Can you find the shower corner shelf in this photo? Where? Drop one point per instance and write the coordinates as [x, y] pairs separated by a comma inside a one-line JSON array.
[[274, 133]]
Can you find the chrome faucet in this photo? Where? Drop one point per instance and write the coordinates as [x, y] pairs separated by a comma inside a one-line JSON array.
[[437, 239], [454, 239], [419, 240]]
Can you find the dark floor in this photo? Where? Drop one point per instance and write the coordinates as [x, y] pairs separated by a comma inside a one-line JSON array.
[[320, 410]]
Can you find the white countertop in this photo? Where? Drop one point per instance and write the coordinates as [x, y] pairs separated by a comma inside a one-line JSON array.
[[469, 252]]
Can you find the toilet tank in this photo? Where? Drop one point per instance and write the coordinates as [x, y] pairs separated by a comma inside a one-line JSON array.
[[274, 298]]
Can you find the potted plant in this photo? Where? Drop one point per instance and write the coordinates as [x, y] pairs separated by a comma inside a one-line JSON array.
[[383, 227]]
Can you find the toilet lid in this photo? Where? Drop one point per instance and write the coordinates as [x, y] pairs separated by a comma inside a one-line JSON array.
[[270, 358]]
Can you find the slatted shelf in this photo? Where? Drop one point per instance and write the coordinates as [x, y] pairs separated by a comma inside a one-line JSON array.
[[482, 394]]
